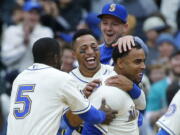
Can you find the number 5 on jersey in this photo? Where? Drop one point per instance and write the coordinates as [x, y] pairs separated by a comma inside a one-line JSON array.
[[23, 99]]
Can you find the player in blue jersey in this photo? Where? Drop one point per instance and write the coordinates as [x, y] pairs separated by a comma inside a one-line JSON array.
[[113, 26]]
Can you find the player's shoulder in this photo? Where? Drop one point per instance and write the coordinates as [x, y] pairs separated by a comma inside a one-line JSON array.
[[108, 67]]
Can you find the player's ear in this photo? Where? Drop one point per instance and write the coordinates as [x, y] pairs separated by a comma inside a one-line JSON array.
[[120, 63], [125, 28]]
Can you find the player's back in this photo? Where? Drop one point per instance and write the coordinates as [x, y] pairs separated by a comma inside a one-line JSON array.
[[125, 122], [37, 101]]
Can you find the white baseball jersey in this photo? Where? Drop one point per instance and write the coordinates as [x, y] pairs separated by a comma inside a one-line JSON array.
[[170, 121], [82, 80], [38, 97], [125, 122]]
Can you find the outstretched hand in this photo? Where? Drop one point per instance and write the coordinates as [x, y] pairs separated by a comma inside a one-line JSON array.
[[110, 114], [120, 81], [124, 43], [90, 87]]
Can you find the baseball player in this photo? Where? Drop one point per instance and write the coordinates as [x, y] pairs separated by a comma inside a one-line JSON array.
[[113, 26], [40, 93], [170, 121], [87, 53], [130, 64]]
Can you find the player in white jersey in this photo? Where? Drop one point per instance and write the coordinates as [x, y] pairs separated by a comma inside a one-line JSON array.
[[89, 64], [170, 121], [40, 93], [130, 64]]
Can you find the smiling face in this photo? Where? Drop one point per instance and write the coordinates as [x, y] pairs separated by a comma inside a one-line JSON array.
[[132, 65], [112, 28], [87, 53]]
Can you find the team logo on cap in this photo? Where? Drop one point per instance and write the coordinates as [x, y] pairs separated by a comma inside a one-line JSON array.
[[112, 7]]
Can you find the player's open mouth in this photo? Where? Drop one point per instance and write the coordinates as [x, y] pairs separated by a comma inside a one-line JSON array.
[[109, 35], [90, 60]]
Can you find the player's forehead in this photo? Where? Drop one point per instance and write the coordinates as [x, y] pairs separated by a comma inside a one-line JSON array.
[[136, 54], [85, 40], [110, 18]]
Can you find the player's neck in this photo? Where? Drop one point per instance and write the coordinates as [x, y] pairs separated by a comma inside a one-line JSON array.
[[117, 70], [89, 73]]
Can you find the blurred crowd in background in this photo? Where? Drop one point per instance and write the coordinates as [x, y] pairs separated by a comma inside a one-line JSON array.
[[157, 22]]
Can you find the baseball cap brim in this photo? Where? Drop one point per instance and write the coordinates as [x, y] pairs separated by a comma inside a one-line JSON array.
[[101, 15]]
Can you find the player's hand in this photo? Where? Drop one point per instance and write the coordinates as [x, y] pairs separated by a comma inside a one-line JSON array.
[[91, 86], [110, 114], [124, 43], [120, 81]]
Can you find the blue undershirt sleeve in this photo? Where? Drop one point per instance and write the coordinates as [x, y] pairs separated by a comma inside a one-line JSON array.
[[162, 132], [135, 92], [93, 116]]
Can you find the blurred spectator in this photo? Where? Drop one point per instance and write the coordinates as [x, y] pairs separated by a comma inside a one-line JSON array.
[[172, 90], [50, 16], [157, 72], [17, 15], [18, 39], [62, 15], [145, 84], [145, 9], [132, 22], [152, 27], [177, 35], [6, 7], [91, 22], [64, 38], [97, 5], [166, 46], [157, 102], [70, 13], [170, 13], [67, 59]]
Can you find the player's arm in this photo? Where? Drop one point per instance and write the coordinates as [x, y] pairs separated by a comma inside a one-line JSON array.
[[92, 116], [133, 90], [79, 105], [162, 132]]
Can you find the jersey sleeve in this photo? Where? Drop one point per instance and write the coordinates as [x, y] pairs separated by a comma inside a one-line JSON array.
[[77, 102], [170, 120], [140, 102]]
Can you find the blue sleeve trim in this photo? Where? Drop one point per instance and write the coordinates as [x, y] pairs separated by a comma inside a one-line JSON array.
[[83, 110], [93, 116], [135, 92], [140, 119], [166, 128], [162, 132]]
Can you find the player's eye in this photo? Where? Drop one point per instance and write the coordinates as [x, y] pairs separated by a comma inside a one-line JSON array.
[[82, 51]]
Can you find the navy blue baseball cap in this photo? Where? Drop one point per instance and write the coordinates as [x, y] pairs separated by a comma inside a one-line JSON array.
[[116, 10], [30, 5], [165, 37]]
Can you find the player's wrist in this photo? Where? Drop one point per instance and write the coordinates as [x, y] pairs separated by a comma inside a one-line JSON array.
[[135, 92]]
